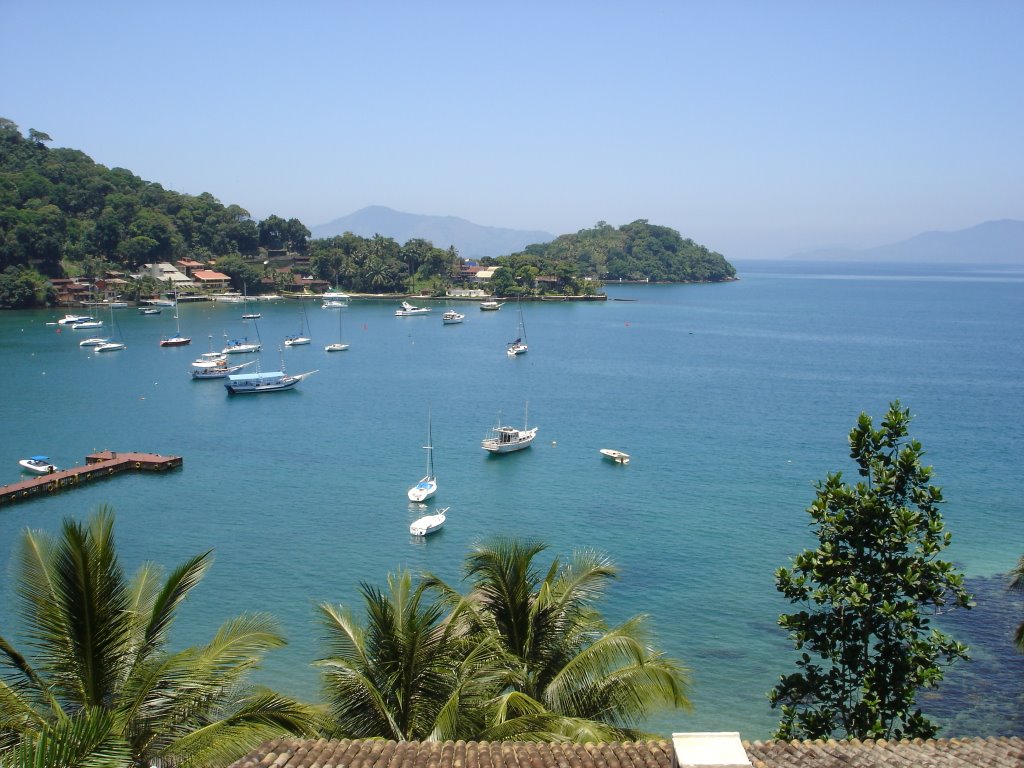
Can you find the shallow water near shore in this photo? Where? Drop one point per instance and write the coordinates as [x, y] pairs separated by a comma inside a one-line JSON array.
[[732, 399]]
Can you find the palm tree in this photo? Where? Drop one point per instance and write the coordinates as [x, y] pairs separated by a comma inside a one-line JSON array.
[[102, 688], [573, 676], [1017, 583], [411, 673]]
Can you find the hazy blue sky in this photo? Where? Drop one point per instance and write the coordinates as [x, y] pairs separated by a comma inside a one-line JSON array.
[[756, 128]]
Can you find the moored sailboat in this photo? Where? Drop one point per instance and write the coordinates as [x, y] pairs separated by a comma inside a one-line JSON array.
[[427, 486]]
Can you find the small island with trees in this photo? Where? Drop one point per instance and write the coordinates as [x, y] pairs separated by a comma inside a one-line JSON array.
[[62, 215]]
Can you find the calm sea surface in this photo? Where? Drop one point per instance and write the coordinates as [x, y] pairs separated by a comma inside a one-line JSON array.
[[732, 399]]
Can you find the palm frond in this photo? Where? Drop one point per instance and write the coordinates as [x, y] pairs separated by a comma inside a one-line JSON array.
[[257, 718], [179, 583], [87, 740]]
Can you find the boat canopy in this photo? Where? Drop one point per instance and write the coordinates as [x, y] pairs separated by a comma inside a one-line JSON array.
[[256, 376], [39, 458]]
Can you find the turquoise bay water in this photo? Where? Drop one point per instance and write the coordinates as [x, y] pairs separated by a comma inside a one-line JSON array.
[[732, 399]]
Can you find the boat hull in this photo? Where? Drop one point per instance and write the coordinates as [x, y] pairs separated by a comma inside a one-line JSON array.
[[177, 341], [509, 440], [37, 466], [619, 457], [336, 347], [423, 490], [428, 524]]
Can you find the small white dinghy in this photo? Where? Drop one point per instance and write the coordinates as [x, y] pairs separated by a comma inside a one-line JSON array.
[[619, 457], [428, 523]]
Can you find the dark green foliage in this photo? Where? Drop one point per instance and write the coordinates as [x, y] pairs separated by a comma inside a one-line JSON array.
[[22, 288], [637, 251], [59, 208], [866, 595]]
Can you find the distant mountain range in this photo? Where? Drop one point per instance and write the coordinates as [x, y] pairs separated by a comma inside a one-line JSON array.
[[470, 240], [994, 242]]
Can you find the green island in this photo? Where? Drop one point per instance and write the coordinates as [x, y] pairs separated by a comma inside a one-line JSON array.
[[64, 216]]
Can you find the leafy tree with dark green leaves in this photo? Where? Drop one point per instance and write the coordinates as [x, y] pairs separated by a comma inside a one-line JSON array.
[[866, 596], [1017, 584], [102, 686]]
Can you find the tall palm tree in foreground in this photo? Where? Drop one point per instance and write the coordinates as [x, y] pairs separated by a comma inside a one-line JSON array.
[[410, 672], [101, 688], [571, 676]]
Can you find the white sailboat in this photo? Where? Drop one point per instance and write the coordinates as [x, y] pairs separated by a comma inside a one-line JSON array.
[[301, 338], [246, 314], [243, 345], [111, 345], [339, 345], [518, 346], [426, 487]]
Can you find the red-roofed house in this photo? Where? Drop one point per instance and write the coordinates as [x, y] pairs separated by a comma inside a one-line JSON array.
[[208, 279]]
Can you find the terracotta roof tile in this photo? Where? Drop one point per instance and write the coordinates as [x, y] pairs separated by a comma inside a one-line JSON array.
[[911, 753], [367, 753]]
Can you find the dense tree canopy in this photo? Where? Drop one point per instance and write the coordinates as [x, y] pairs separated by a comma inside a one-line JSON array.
[[58, 208], [637, 251]]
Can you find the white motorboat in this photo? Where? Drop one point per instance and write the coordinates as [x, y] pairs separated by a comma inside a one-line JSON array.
[[41, 465], [429, 523], [619, 457], [95, 341], [505, 439], [333, 304], [259, 382], [85, 325], [219, 370], [426, 487], [72, 319], [408, 310], [451, 317], [491, 306], [518, 346], [149, 311], [252, 315]]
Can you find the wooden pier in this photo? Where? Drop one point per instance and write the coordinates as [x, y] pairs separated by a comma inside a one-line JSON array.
[[97, 466]]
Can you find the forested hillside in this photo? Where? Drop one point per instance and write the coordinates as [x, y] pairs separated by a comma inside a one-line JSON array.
[[637, 251], [63, 215]]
